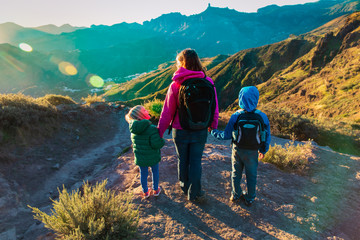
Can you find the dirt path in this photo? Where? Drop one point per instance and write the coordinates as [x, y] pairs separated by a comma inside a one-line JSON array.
[[84, 163], [322, 204]]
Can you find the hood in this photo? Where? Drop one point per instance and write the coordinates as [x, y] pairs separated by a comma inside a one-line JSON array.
[[137, 127], [248, 98], [183, 74]]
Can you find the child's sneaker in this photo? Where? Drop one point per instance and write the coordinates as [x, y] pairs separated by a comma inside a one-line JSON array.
[[156, 192], [146, 194]]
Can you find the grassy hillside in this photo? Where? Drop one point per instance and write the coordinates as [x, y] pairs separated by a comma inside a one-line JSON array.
[[325, 82], [154, 84], [27, 121]]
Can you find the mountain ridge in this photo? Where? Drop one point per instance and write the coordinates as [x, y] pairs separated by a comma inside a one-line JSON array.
[[277, 69], [125, 49]]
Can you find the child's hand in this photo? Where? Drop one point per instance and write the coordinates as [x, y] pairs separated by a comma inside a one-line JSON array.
[[209, 129], [261, 155]]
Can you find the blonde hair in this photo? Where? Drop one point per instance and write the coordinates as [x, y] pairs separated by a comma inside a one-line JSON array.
[[137, 113], [189, 59]]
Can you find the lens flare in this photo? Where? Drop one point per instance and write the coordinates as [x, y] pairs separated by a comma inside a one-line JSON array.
[[25, 47], [67, 68], [96, 81]]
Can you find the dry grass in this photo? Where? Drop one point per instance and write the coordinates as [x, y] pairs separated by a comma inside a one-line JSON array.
[[58, 99], [95, 213], [19, 110], [25, 120], [291, 157], [90, 99]]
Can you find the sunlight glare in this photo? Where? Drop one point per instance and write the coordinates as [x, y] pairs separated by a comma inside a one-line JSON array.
[[67, 68], [25, 47], [96, 81]]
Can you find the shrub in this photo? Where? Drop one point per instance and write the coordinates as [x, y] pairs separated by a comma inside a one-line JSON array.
[[154, 107], [291, 157], [90, 99], [95, 213], [57, 99], [284, 123]]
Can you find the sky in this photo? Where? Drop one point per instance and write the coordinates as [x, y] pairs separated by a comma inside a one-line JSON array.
[[33, 13]]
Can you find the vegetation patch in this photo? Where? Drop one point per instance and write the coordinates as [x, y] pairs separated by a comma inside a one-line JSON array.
[[20, 113], [95, 213], [90, 99], [285, 124], [154, 107], [57, 99], [291, 157]]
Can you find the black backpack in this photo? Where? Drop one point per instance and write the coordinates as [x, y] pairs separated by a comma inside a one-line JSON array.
[[196, 104], [249, 131]]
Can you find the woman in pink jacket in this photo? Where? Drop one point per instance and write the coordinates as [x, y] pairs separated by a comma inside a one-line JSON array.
[[189, 144]]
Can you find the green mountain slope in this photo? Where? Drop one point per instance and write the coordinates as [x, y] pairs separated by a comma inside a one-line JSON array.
[[153, 84], [326, 81]]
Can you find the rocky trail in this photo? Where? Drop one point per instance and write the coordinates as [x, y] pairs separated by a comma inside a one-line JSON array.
[[322, 204], [45, 171]]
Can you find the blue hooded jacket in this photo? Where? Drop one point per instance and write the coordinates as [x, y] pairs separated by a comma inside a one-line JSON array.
[[248, 101]]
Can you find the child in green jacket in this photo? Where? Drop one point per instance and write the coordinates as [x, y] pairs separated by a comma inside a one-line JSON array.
[[146, 145]]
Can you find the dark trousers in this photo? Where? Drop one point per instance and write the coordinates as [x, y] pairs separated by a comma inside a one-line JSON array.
[[244, 159], [189, 148]]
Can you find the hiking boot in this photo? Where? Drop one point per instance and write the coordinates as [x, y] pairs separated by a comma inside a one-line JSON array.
[[201, 198], [146, 194], [248, 202], [156, 192]]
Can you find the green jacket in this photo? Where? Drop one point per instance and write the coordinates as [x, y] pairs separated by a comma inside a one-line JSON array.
[[146, 143]]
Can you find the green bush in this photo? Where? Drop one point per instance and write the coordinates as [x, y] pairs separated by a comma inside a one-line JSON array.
[[154, 107], [93, 214], [291, 157]]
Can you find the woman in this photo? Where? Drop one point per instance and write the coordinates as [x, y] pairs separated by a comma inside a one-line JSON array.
[[189, 144]]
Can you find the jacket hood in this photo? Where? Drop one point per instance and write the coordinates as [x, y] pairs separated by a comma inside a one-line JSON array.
[[248, 98], [183, 74], [137, 127]]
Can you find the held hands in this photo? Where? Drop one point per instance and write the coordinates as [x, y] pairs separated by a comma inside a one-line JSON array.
[[261, 155]]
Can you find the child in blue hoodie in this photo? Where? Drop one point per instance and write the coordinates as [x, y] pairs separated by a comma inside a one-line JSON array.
[[245, 157]]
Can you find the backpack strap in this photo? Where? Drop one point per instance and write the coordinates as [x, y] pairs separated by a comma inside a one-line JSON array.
[[172, 121], [237, 119]]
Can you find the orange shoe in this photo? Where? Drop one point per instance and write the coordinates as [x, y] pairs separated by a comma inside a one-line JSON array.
[[157, 192], [146, 194]]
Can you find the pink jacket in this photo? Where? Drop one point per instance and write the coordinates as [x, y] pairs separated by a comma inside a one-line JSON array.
[[171, 102]]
